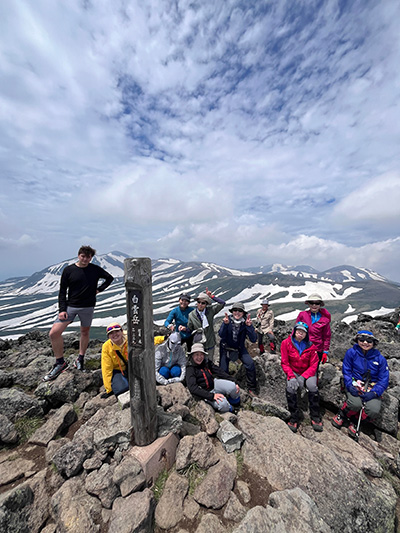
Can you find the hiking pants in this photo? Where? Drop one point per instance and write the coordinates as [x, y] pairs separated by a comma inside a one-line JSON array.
[[371, 408], [228, 389], [247, 362]]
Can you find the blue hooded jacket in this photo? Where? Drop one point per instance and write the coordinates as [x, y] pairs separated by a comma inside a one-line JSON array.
[[356, 365], [181, 319]]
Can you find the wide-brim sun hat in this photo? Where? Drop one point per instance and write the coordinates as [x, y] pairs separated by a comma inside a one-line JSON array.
[[197, 347], [314, 298], [203, 296], [265, 302], [237, 305]]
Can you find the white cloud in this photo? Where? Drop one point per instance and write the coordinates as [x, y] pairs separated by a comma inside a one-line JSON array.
[[375, 202], [227, 132]]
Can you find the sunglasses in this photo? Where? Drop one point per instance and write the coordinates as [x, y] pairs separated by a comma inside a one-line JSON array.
[[114, 328], [314, 303], [202, 303], [236, 310], [365, 339]]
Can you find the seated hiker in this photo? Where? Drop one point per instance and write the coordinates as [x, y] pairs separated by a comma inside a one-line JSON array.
[[233, 332], [202, 319], [177, 320], [114, 361], [265, 324], [170, 361], [299, 361], [366, 377], [208, 382]]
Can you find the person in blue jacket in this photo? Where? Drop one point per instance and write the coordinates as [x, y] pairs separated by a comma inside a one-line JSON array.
[[180, 315], [366, 377], [233, 332]]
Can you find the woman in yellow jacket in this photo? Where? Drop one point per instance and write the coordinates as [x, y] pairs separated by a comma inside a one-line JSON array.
[[114, 361]]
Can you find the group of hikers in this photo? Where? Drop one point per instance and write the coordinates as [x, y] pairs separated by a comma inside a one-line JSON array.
[[188, 354]]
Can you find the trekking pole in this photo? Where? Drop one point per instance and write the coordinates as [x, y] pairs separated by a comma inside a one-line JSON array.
[[356, 436]]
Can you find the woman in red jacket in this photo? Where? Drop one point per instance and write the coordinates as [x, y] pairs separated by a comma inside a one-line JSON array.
[[318, 320], [299, 360]]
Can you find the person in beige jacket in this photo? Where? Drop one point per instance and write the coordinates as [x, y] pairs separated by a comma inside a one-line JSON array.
[[265, 324]]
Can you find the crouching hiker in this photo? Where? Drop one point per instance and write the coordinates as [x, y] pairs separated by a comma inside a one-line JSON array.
[[300, 363], [366, 377], [114, 361], [170, 361], [233, 332], [208, 382]]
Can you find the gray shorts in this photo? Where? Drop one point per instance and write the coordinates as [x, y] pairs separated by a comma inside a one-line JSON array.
[[85, 315]]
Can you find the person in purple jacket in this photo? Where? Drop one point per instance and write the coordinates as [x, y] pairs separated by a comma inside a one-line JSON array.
[[233, 332], [318, 321]]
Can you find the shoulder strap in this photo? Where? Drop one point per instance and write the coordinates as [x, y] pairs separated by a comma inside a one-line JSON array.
[[122, 357]]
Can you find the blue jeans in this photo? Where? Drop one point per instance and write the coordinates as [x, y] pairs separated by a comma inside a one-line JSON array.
[[246, 360], [173, 372], [119, 383]]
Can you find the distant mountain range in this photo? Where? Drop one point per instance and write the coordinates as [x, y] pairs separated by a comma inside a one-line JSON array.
[[31, 302]]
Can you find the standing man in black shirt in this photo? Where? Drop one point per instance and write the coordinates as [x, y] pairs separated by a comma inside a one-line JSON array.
[[77, 297]]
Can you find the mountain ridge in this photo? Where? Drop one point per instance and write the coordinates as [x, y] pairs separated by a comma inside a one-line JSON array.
[[31, 301]]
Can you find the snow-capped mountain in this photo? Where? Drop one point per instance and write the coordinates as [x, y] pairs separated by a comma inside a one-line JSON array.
[[31, 302]]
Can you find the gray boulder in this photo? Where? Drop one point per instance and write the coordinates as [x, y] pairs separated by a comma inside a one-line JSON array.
[[68, 386], [129, 476], [173, 394], [206, 415], [215, 489], [197, 449], [73, 509], [100, 483], [26, 508], [58, 422], [168, 422], [169, 511], [133, 514], [326, 477], [8, 434], [16, 404], [69, 458], [230, 437], [289, 511]]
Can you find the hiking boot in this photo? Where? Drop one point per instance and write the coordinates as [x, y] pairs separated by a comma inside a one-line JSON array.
[[79, 364], [317, 425], [337, 421], [56, 371], [293, 425], [377, 434], [351, 430]]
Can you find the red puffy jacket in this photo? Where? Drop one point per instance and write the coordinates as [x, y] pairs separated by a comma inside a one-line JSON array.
[[305, 364]]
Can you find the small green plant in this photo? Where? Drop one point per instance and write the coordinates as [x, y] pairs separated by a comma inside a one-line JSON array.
[[239, 462], [159, 485], [26, 427], [77, 410], [92, 364], [195, 475]]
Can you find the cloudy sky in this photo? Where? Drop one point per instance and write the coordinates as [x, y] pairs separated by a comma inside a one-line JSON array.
[[239, 132]]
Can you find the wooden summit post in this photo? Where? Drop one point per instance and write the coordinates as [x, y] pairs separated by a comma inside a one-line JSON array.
[[141, 367]]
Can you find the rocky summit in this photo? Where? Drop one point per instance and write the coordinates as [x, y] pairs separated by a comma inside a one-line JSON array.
[[66, 461]]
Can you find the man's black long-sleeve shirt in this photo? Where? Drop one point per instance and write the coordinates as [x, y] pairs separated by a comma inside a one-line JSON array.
[[81, 285]]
